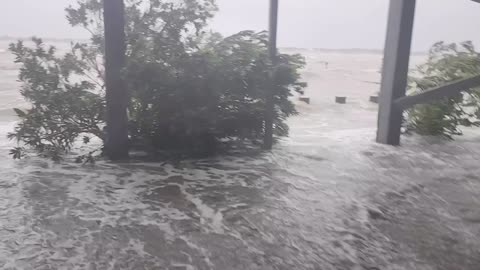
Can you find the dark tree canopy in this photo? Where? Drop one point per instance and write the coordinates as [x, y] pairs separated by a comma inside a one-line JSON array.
[[189, 88]]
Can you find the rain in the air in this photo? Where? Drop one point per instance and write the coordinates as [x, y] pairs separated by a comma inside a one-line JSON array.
[[240, 135]]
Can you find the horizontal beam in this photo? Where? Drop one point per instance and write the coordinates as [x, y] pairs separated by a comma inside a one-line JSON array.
[[440, 92]]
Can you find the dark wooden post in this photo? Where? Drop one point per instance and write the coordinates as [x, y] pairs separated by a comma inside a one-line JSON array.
[[395, 70], [270, 100], [116, 92]]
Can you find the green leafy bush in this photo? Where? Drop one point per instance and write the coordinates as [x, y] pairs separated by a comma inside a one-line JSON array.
[[446, 63], [62, 107], [189, 88]]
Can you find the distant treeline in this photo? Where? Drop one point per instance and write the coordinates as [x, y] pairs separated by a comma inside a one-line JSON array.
[[66, 40], [350, 51]]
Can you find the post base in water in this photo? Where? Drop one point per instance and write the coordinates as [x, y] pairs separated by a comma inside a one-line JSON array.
[[341, 100], [305, 99]]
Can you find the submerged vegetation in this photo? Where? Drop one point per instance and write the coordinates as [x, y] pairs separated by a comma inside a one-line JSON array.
[[446, 63], [189, 88]]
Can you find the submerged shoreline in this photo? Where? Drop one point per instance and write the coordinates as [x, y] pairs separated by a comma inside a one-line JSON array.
[[327, 197]]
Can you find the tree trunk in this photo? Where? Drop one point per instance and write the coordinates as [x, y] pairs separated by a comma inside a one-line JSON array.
[[116, 144]]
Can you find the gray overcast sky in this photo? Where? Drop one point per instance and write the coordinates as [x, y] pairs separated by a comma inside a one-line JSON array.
[[303, 23]]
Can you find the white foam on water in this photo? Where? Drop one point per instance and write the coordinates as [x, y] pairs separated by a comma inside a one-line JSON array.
[[286, 206], [209, 217], [206, 254]]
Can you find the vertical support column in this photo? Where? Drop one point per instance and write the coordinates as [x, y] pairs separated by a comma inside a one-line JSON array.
[[270, 99], [395, 69], [116, 144]]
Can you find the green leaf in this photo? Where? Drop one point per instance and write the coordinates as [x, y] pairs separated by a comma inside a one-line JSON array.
[[20, 113], [17, 153]]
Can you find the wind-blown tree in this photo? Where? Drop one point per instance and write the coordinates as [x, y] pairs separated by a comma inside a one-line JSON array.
[[62, 108], [189, 88], [446, 63]]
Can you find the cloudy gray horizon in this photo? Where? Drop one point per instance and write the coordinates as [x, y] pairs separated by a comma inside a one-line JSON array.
[[337, 24]]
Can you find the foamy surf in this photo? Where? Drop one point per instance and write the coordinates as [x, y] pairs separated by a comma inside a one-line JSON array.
[[306, 205]]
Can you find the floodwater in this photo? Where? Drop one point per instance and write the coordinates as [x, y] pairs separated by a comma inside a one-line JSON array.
[[327, 197]]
